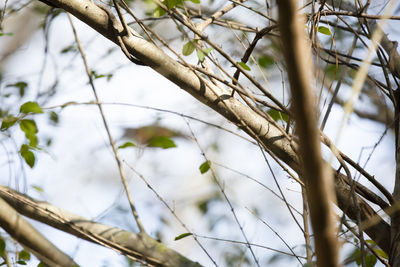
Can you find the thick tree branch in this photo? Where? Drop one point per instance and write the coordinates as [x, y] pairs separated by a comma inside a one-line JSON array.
[[318, 179], [215, 97], [138, 246], [30, 238]]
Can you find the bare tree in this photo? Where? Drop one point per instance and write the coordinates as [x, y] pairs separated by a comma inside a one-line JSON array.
[[329, 50]]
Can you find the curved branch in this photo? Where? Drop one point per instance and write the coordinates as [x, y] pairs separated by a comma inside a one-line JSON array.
[[138, 246], [30, 238]]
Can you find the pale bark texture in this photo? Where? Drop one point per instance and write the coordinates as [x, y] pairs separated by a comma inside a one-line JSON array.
[[30, 238], [137, 246]]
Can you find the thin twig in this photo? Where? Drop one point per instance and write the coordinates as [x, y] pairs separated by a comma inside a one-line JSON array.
[[111, 140]]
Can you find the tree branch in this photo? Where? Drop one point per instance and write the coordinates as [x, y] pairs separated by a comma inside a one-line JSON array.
[[137, 246], [30, 238], [318, 179]]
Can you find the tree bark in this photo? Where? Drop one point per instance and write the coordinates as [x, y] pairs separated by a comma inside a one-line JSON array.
[[318, 179], [30, 238], [138, 246]]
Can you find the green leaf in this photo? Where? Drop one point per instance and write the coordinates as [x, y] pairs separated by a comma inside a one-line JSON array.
[[276, 115], [96, 75], [158, 12], [2, 246], [37, 188], [24, 255], [30, 107], [200, 55], [370, 260], [6, 34], [332, 71], [161, 141], [188, 48], [28, 126], [8, 122], [324, 30], [127, 144], [182, 236], [70, 48], [41, 264], [266, 61], [20, 85], [54, 117], [20, 262], [109, 76], [203, 206], [28, 155], [381, 253], [204, 167], [30, 129], [195, 1], [244, 66]]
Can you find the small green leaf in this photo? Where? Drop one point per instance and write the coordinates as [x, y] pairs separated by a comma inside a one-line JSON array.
[[2, 246], [158, 12], [266, 61], [332, 71], [161, 141], [24, 255], [203, 206], [244, 66], [28, 126], [276, 115], [96, 75], [20, 85], [381, 253], [8, 122], [324, 30], [21, 262], [200, 55], [204, 167], [30, 129], [54, 117], [195, 1], [188, 48], [70, 48], [171, 3], [109, 76], [127, 144], [6, 34], [30, 107], [182, 236], [28, 155], [370, 260], [37, 188], [41, 264]]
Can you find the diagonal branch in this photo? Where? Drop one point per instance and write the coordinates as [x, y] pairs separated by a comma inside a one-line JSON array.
[[30, 238], [137, 246]]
